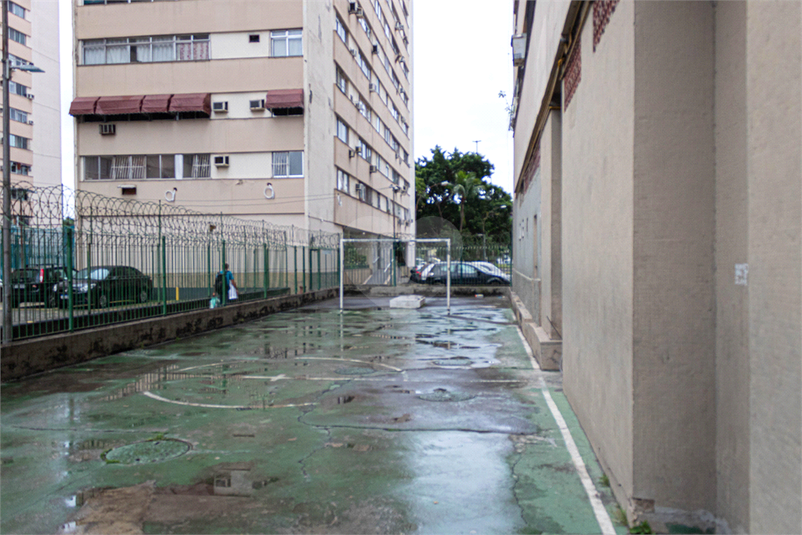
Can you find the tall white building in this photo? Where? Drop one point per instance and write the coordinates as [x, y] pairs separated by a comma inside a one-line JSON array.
[[298, 112]]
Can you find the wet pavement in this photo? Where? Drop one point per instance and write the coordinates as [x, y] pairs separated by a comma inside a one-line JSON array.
[[312, 421]]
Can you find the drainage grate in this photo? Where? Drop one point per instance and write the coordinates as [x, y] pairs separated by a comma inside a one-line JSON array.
[[151, 451], [354, 371], [441, 394]]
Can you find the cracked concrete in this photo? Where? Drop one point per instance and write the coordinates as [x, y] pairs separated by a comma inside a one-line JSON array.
[[282, 441]]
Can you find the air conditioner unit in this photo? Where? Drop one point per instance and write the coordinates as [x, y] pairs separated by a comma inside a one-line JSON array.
[[373, 168], [221, 161], [220, 107], [373, 88], [257, 105], [30, 96], [358, 150], [353, 52], [30, 122], [518, 49], [108, 129], [375, 49], [399, 26], [352, 7]]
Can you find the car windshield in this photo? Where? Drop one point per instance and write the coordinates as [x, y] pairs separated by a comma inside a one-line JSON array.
[[25, 275], [93, 274]]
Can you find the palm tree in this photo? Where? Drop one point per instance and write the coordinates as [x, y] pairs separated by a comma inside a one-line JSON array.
[[466, 186]]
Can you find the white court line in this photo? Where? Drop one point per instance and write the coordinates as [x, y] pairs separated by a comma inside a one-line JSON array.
[[602, 517], [210, 406]]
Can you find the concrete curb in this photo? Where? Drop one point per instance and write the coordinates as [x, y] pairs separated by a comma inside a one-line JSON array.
[[548, 353], [28, 357]]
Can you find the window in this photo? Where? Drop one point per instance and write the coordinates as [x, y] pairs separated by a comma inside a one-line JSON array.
[[197, 166], [17, 36], [160, 166], [365, 151], [18, 141], [18, 89], [288, 164], [16, 9], [340, 27], [342, 131], [253, 38], [18, 115], [343, 181], [146, 49], [363, 63], [128, 167], [342, 81], [20, 169], [286, 43]]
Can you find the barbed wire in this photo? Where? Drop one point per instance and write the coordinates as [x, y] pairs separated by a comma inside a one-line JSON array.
[[53, 207]]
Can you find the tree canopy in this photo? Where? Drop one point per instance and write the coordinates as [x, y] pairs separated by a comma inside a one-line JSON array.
[[454, 187]]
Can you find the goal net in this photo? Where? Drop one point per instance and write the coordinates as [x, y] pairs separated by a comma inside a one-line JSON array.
[[368, 262]]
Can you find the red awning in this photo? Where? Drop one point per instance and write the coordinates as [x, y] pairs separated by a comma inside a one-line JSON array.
[[192, 102], [156, 104], [285, 98], [83, 106], [119, 105]]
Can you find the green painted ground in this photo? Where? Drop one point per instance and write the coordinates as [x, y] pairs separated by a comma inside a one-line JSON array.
[[382, 421]]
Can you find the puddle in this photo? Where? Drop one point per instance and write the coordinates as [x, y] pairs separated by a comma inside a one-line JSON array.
[[454, 361], [443, 395]]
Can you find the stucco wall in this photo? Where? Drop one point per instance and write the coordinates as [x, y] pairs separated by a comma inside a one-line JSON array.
[[732, 238], [774, 119], [525, 278], [550, 255], [673, 301], [597, 230]]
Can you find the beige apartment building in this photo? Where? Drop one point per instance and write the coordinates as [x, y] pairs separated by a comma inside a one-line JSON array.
[[297, 112], [657, 249], [34, 98]]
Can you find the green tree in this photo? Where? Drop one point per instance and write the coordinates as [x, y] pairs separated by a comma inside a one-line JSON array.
[[454, 187]]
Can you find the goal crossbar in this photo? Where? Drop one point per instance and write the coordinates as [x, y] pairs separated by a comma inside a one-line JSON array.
[[447, 241]]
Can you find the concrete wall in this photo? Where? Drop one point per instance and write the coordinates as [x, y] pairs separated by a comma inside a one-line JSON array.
[[597, 246], [549, 223], [732, 240], [774, 125], [673, 303], [28, 357], [681, 261]]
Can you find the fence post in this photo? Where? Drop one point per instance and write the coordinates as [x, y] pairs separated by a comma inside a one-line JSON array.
[[224, 297], [267, 268], [318, 270], [164, 274], [69, 235], [295, 265]]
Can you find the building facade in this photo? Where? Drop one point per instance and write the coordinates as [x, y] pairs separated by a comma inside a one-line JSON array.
[[658, 215], [297, 112], [34, 98]]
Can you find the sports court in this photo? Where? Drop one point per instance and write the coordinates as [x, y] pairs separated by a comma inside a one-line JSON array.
[[374, 420]]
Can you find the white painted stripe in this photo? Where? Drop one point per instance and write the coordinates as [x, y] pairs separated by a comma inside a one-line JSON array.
[[210, 406], [528, 349], [602, 517]]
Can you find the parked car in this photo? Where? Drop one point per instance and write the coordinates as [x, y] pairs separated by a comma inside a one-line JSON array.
[[466, 273], [35, 284], [103, 285]]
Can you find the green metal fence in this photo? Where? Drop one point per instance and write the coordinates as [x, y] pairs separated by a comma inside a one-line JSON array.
[[81, 260]]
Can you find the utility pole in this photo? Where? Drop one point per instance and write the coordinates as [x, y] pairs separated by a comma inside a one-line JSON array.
[[477, 141]]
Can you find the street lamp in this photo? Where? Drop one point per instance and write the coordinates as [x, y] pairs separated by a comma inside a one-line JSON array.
[[7, 68]]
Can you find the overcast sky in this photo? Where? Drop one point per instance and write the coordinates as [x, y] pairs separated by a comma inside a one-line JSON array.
[[462, 60]]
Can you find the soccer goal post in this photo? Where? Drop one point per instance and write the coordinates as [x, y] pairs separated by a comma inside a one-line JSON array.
[[384, 242]]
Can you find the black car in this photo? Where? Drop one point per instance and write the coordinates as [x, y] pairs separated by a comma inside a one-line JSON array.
[[102, 286], [466, 273], [35, 284]]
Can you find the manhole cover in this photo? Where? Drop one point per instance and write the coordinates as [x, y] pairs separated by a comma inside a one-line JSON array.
[[454, 361], [151, 451], [445, 395], [354, 371]]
